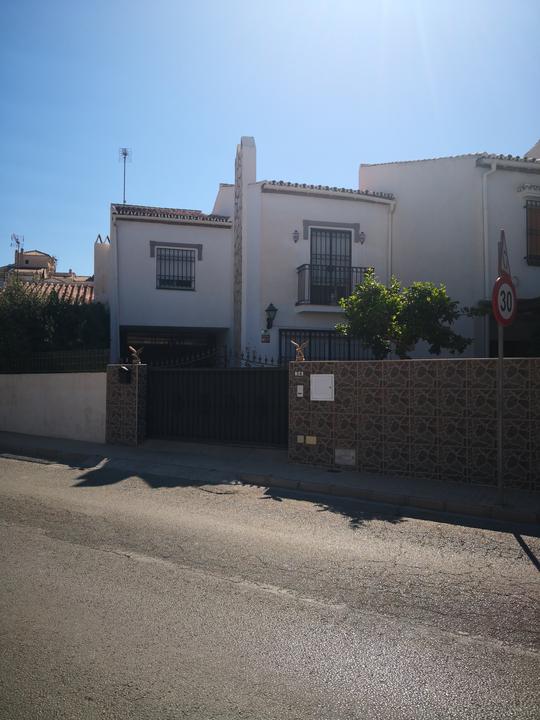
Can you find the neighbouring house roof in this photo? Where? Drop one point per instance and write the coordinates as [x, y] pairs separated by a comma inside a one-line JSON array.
[[73, 292], [28, 270], [69, 276], [35, 252], [145, 211], [283, 186]]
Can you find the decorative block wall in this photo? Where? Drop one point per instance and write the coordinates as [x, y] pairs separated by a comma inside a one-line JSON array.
[[433, 419], [126, 405]]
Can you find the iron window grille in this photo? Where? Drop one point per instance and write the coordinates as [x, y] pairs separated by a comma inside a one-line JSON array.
[[330, 266], [533, 232], [175, 269]]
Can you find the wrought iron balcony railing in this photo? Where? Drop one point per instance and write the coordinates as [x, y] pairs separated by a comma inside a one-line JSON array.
[[326, 284]]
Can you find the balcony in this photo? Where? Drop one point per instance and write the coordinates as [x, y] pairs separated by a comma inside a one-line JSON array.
[[326, 284]]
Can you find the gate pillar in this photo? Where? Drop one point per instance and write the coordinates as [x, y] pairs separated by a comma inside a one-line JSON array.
[[126, 404]]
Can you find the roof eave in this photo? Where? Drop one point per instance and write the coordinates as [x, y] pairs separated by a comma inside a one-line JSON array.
[[172, 221], [526, 165]]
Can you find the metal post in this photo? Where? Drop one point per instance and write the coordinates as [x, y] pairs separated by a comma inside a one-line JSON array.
[[500, 382], [125, 157]]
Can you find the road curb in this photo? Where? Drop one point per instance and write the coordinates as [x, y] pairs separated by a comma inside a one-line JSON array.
[[491, 512]]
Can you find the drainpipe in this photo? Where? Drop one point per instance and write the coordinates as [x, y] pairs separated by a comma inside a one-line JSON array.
[[485, 227], [390, 239], [485, 232]]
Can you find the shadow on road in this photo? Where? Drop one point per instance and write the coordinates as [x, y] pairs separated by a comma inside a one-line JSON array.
[[361, 511], [356, 511], [106, 475]]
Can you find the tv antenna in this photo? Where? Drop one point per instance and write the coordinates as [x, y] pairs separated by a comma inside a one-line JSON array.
[[17, 241], [125, 155]]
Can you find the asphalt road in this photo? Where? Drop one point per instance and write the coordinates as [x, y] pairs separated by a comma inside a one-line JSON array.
[[123, 598]]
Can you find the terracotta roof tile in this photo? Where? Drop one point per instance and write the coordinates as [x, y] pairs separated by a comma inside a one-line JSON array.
[[513, 158], [327, 188], [73, 292], [166, 213]]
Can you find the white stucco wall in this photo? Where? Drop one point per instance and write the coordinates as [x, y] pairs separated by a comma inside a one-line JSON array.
[[273, 257], [437, 228], [65, 405], [224, 203], [141, 303]]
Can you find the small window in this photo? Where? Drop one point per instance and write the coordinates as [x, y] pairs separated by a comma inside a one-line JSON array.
[[175, 269], [533, 232]]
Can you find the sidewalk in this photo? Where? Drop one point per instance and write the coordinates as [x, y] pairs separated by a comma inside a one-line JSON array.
[[214, 464]]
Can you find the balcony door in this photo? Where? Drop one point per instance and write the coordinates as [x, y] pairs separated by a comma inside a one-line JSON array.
[[330, 266]]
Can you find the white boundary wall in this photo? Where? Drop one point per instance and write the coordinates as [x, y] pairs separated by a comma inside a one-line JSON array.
[[66, 405]]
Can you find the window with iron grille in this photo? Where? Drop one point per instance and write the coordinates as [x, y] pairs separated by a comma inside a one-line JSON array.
[[175, 269], [330, 265], [533, 232]]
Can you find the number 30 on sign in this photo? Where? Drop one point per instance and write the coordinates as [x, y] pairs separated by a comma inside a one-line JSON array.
[[504, 301]]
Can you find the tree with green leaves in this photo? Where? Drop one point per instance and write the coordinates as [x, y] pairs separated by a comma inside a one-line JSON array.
[[395, 318]]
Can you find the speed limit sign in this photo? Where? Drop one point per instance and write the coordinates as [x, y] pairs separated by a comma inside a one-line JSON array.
[[504, 301]]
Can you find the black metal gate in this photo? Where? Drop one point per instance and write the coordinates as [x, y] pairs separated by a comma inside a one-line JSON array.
[[237, 405]]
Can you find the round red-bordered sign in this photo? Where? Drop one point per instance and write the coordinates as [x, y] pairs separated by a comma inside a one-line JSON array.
[[504, 301]]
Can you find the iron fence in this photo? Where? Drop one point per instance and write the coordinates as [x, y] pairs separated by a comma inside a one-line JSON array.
[[321, 345]]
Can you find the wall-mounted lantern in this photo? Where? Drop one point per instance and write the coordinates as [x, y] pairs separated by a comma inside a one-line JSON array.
[[296, 236], [362, 237], [270, 315]]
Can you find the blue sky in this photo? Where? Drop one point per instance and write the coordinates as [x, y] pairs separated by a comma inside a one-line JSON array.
[[321, 85]]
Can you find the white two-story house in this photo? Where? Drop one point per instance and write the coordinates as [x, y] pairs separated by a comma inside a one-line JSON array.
[[181, 281]]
